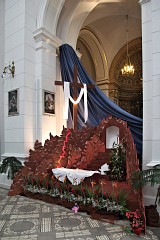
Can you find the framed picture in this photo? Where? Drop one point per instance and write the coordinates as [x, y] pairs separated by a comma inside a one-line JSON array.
[[49, 102], [13, 102]]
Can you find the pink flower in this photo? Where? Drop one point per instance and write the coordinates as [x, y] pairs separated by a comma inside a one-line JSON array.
[[136, 219], [75, 208]]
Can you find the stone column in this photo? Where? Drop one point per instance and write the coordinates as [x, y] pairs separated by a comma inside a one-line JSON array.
[[147, 80], [155, 14], [151, 89], [2, 49], [151, 81], [47, 71]]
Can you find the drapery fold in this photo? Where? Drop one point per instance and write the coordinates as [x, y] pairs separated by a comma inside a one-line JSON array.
[[99, 105], [68, 97]]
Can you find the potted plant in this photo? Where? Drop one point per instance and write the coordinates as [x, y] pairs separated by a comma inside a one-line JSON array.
[[137, 222], [151, 177], [10, 165]]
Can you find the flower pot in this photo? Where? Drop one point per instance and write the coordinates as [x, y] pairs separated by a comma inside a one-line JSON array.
[[152, 216], [137, 231]]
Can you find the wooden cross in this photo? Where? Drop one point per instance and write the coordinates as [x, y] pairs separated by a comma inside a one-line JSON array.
[[76, 85]]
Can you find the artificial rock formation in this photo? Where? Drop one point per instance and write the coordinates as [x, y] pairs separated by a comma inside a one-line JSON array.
[[83, 149]]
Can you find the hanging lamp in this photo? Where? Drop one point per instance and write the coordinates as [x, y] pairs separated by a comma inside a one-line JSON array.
[[128, 68]]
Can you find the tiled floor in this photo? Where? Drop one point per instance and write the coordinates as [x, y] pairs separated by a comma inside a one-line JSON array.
[[22, 219]]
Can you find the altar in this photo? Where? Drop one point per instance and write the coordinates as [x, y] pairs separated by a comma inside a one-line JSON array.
[[75, 176]]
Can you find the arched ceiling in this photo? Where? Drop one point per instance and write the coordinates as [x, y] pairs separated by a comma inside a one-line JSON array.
[[100, 27], [108, 21], [105, 17], [100, 22]]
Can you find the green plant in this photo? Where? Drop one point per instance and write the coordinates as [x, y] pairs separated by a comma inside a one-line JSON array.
[[122, 198], [118, 161], [149, 176], [82, 194], [10, 165]]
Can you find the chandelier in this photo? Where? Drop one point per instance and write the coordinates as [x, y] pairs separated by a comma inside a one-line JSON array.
[[128, 68]]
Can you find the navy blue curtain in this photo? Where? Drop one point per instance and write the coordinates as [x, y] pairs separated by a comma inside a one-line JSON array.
[[99, 105]]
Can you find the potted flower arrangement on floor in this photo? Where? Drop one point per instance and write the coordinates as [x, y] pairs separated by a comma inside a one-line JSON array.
[[137, 222]]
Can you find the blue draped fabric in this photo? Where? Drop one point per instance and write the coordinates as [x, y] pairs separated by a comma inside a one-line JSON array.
[[99, 105]]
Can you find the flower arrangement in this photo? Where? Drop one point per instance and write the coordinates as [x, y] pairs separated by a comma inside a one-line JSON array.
[[91, 194], [136, 219]]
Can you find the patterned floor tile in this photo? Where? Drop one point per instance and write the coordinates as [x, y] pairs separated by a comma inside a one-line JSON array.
[[26, 216], [26, 219], [27, 237], [69, 222], [124, 236], [104, 237], [25, 208], [7, 210], [25, 227], [46, 225]]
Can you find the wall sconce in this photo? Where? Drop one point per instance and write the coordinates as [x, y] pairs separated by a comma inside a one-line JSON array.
[[10, 69]]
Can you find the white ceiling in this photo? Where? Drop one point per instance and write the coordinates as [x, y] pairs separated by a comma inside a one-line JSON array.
[[108, 22]]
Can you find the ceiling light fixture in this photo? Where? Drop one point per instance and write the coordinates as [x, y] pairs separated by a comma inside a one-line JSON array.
[[128, 68]]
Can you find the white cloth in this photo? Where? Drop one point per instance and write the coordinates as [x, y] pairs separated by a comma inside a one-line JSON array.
[[104, 168], [68, 97], [75, 176]]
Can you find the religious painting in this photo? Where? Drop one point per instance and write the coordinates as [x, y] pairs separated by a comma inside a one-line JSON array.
[[49, 103], [13, 102]]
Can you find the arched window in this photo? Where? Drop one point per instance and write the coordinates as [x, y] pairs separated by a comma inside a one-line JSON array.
[[112, 135]]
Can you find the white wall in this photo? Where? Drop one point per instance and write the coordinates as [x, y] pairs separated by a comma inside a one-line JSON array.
[[34, 54], [147, 83], [20, 22], [2, 46], [151, 81], [151, 88]]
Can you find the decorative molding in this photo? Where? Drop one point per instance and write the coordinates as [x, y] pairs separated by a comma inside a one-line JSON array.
[[21, 157], [5, 186], [43, 6], [100, 50], [44, 13], [45, 39], [144, 1], [153, 163]]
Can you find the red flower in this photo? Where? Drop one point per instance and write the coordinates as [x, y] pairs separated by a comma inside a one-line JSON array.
[[47, 183], [95, 192], [106, 195], [83, 190], [41, 181], [136, 219], [73, 190]]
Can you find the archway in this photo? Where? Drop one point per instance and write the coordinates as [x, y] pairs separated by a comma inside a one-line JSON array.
[[126, 91], [93, 57], [100, 29]]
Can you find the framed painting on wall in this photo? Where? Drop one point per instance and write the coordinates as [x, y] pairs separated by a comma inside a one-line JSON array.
[[49, 102], [13, 103]]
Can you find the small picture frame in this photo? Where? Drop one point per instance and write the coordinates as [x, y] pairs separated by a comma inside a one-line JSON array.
[[13, 103], [49, 102]]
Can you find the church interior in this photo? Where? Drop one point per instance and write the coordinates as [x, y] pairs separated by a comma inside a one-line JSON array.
[[73, 160]]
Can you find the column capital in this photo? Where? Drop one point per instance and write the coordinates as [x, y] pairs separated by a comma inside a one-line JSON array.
[[46, 40], [144, 1]]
